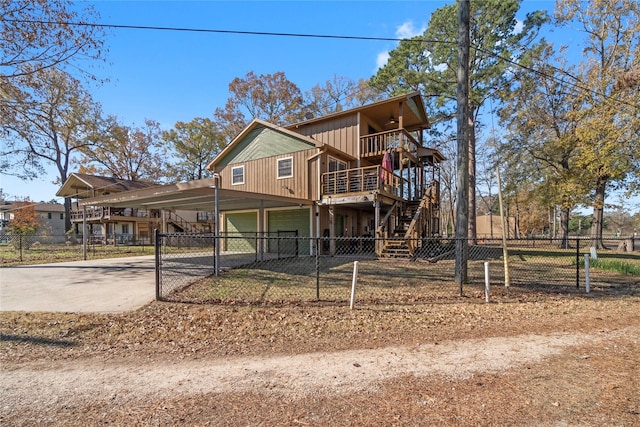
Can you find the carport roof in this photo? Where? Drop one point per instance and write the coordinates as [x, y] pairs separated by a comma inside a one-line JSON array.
[[198, 195]]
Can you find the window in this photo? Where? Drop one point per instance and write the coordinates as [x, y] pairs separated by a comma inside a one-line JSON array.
[[125, 228], [61, 216], [48, 215], [237, 175], [336, 165], [285, 167]]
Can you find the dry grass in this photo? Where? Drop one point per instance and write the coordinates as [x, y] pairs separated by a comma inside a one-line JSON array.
[[590, 385], [593, 384]]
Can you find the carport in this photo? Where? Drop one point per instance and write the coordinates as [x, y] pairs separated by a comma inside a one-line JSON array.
[[205, 195], [198, 195]]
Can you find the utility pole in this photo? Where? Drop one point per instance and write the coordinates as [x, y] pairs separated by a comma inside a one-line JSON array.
[[462, 208]]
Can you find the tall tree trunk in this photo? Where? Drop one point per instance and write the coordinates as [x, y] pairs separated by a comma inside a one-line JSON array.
[[67, 214], [598, 213], [564, 227], [462, 205], [473, 235]]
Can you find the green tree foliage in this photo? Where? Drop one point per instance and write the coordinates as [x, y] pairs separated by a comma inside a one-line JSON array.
[[48, 125], [269, 97], [194, 145], [428, 63], [608, 110], [125, 152]]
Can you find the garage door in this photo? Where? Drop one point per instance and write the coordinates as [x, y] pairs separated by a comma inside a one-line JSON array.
[[285, 224], [241, 232]]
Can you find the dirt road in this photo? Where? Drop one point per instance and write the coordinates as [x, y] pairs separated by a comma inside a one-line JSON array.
[[544, 361]]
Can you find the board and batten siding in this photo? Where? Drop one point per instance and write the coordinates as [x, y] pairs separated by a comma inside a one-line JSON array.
[[261, 176], [341, 133]]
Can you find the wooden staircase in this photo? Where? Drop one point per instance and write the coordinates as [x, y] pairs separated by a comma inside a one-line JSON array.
[[182, 224], [405, 237]]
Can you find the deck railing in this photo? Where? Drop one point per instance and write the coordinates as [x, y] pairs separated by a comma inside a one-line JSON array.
[[366, 179], [97, 212], [376, 144]]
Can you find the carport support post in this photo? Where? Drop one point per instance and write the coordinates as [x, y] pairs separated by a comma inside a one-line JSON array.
[[216, 259], [261, 240], [84, 233], [156, 242]]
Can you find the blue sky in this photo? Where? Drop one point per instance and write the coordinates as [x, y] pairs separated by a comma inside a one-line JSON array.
[[173, 76]]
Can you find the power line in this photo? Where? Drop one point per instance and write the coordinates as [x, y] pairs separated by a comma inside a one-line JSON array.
[[577, 85], [216, 31]]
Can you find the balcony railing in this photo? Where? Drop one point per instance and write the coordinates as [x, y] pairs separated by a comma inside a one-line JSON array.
[[376, 144], [366, 179], [96, 213]]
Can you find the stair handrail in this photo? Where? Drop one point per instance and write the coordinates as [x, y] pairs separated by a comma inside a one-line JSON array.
[[386, 217], [410, 235], [186, 225], [379, 230]]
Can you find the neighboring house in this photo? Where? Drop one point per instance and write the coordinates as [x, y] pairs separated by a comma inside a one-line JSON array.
[[122, 224], [361, 172], [50, 217], [364, 172]]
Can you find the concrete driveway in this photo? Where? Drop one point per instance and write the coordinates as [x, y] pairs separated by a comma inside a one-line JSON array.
[[97, 286]]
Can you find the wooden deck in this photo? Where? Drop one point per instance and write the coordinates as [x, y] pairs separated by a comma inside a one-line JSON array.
[[363, 180]]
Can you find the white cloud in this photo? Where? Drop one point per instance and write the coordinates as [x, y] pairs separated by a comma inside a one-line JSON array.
[[518, 28], [381, 59], [407, 30]]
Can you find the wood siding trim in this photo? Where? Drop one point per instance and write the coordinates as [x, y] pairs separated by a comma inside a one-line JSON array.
[[341, 133], [261, 176]]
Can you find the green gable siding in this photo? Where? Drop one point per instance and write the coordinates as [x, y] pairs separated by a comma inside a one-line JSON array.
[[262, 142]]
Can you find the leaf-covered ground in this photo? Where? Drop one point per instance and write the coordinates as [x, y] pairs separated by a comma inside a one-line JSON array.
[[534, 360]]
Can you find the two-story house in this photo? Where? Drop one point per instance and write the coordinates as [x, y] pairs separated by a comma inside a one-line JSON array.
[[365, 171], [361, 172], [49, 217]]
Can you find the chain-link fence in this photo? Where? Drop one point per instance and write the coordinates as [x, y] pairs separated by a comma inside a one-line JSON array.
[[282, 269], [29, 248]]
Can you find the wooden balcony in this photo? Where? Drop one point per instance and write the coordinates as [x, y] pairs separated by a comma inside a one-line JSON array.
[[364, 180], [106, 213], [375, 145]]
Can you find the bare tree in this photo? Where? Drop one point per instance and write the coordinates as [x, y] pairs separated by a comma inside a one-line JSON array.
[[48, 125], [270, 97]]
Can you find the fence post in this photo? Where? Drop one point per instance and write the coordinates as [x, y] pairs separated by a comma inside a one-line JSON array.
[[487, 292], [354, 279], [157, 247], [20, 245], [317, 268], [587, 283], [577, 263]]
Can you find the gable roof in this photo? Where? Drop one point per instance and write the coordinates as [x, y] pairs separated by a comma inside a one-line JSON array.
[[83, 185], [415, 115], [262, 139], [7, 206]]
